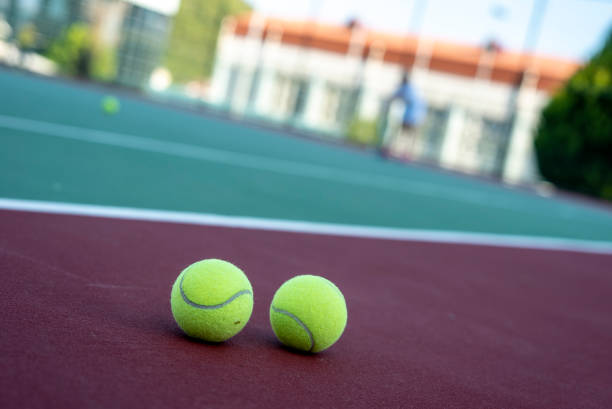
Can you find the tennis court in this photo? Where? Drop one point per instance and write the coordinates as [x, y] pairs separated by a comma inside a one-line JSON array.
[[460, 292]]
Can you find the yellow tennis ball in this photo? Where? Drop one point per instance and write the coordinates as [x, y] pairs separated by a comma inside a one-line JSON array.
[[212, 300], [308, 313], [110, 105]]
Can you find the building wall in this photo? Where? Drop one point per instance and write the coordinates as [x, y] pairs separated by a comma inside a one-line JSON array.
[[474, 124]]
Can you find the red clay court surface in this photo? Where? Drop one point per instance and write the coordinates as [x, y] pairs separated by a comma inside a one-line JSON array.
[[87, 322]]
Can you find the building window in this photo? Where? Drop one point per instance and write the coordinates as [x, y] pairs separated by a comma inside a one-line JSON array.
[[234, 74], [338, 106], [493, 146], [483, 145], [290, 95], [431, 134]]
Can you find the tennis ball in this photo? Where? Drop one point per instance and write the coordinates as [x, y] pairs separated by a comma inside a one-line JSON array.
[[110, 105], [212, 300], [308, 313]]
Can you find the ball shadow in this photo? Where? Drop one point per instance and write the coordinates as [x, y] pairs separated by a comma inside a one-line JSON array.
[[213, 344], [276, 344]]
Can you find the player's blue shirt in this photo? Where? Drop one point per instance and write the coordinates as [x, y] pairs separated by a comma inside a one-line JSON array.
[[416, 108]]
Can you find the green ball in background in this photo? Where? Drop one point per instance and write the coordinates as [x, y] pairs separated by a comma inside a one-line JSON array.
[[308, 313], [110, 105]]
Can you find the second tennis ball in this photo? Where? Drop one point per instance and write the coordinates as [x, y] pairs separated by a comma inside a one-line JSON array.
[[212, 300], [308, 313]]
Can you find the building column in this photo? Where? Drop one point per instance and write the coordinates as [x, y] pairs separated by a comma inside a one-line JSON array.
[[452, 137], [370, 102], [314, 103], [241, 92], [520, 159], [520, 164], [220, 81], [263, 100], [267, 57]]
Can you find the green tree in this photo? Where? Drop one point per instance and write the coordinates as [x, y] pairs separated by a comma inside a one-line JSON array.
[[76, 54], [71, 48], [193, 41], [574, 140]]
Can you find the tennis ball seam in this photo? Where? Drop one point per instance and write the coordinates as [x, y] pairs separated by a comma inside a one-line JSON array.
[[210, 307], [299, 322]]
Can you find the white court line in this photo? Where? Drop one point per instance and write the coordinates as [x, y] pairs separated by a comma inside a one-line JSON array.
[[259, 162], [206, 219]]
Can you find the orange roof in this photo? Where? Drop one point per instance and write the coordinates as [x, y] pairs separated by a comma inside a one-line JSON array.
[[459, 59]]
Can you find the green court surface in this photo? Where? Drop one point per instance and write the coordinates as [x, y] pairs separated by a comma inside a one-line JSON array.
[[58, 145]]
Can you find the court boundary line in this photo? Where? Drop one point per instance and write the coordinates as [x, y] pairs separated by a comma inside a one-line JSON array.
[[306, 227]]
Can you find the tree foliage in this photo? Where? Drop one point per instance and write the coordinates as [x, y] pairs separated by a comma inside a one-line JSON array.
[[77, 55], [574, 140], [193, 41], [71, 48]]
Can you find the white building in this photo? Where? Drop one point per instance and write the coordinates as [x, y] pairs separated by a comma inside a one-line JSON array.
[[484, 104]]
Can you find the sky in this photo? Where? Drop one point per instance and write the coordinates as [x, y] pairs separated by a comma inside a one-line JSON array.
[[572, 29]]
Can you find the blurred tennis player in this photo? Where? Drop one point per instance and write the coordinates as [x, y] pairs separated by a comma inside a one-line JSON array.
[[405, 111]]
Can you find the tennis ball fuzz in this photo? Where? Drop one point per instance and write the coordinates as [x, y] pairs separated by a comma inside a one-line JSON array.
[[212, 300], [308, 313]]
